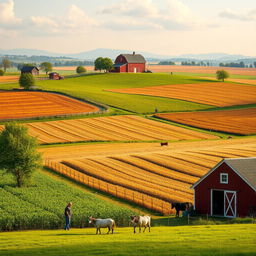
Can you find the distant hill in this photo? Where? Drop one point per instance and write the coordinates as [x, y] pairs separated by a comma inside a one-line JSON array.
[[113, 53]]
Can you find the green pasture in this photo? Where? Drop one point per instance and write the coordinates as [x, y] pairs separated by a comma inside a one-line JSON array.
[[41, 205], [235, 240], [93, 87]]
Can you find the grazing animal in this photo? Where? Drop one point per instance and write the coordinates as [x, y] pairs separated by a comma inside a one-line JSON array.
[[181, 207], [141, 221], [102, 223], [164, 144]]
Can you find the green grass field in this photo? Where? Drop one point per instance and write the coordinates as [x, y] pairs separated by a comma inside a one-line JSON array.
[[93, 87], [237, 239]]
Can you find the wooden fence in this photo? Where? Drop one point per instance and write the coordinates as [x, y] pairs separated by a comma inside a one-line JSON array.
[[139, 198]]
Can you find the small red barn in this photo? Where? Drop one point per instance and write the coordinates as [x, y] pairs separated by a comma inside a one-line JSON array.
[[55, 76], [229, 189], [133, 63]]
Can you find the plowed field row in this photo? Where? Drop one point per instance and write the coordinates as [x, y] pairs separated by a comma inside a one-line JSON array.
[[203, 70], [163, 175], [239, 121], [4, 79], [37, 104], [216, 94], [115, 128]]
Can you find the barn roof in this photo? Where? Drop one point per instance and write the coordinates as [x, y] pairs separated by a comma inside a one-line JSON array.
[[28, 68], [244, 167], [134, 58]]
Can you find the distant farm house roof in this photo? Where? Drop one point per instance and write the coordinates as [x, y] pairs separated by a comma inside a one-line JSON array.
[[29, 68], [134, 58], [244, 167]]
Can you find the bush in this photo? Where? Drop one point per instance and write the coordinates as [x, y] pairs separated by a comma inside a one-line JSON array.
[[1, 72], [80, 69], [26, 80]]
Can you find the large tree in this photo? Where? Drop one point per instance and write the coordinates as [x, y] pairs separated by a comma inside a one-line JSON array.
[[46, 67], [6, 63], [18, 153], [222, 74], [26, 80], [103, 64]]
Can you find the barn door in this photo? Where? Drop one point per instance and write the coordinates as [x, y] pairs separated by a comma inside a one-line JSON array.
[[230, 204]]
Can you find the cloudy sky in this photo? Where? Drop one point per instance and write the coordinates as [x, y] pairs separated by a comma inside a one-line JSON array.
[[170, 27]]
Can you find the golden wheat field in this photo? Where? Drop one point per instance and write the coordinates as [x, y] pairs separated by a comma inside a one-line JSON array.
[[216, 94], [239, 121], [145, 173], [110, 128], [203, 70], [18, 105]]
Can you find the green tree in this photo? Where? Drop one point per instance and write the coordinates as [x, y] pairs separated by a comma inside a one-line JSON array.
[[18, 153], [1, 72], [6, 63], [222, 74], [46, 67], [26, 80], [107, 64], [80, 69], [98, 64]]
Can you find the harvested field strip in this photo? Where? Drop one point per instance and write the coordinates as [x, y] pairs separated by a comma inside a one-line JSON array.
[[114, 177], [37, 104], [157, 159], [217, 94], [240, 121], [137, 161], [150, 177], [118, 128], [118, 191], [120, 134], [165, 174]]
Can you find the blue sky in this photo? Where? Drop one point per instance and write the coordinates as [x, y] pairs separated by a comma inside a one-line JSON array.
[[170, 27]]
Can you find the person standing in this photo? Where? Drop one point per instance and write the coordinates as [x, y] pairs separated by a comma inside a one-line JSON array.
[[68, 214]]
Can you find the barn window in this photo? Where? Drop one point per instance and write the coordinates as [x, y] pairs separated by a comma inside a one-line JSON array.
[[224, 178]]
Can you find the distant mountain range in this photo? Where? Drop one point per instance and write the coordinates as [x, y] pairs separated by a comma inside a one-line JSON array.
[[113, 53]]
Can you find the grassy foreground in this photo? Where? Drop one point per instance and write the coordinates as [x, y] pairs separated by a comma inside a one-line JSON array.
[[237, 239]]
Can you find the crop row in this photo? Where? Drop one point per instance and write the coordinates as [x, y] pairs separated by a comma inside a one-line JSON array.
[[116, 128], [240, 121], [41, 205], [32, 104], [216, 94], [166, 176]]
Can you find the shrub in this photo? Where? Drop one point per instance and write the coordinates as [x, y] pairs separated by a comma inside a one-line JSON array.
[[26, 80], [80, 69], [1, 72]]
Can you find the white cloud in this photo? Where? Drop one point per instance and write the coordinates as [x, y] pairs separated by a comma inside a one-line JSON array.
[[246, 16], [135, 8], [7, 14], [174, 16], [76, 18]]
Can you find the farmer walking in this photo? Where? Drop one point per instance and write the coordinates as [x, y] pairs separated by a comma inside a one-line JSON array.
[[68, 214]]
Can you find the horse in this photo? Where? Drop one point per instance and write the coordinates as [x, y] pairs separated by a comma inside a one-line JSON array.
[[181, 207], [141, 221], [102, 223]]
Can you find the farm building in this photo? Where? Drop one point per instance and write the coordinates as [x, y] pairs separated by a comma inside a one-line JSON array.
[[55, 76], [32, 70], [133, 63], [228, 190]]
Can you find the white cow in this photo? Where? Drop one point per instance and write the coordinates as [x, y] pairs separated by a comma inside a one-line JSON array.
[[102, 223], [141, 221]]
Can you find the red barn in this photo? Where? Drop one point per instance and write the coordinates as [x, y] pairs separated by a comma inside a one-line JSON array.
[[229, 189], [133, 63]]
